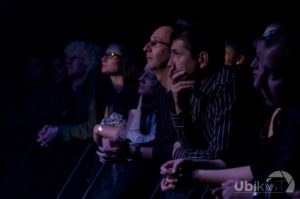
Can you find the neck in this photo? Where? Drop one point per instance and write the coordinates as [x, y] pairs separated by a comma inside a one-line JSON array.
[[118, 83], [163, 78]]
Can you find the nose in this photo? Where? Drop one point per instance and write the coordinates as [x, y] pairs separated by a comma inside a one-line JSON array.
[[259, 79], [141, 78], [171, 62], [254, 64], [104, 58], [146, 47]]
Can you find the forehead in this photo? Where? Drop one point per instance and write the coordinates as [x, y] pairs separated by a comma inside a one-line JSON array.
[[163, 33], [114, 48], [272, 57], [260, 46], [177, 44], [74, 52]]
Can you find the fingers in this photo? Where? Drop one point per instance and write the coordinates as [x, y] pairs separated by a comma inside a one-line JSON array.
[[165, 186], [47, 134], [108, 154], [182, 85], [96, 134], [177, 167], [229, 183], [108, 150], [166, 168], [177, 75], [217, 192], [171, 179], [41, 136], [43, 130], [227, 192], [171, 73]]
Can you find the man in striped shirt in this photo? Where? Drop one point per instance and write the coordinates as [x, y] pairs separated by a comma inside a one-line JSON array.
[[204, 94]]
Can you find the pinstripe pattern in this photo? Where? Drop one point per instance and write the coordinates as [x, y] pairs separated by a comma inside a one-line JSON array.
[[204, 131]]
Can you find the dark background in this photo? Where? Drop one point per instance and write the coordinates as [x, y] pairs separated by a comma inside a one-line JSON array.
[[32, 26], [44, 27]]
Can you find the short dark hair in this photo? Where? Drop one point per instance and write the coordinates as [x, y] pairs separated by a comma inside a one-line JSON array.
[[203, 37]]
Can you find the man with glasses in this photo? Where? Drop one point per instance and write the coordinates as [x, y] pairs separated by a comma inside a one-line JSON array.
[[158, 53]]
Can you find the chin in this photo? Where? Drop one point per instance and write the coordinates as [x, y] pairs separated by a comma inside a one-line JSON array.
[[270, 103]]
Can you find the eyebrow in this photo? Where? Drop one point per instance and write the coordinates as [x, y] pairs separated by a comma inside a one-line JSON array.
[[160, 39]]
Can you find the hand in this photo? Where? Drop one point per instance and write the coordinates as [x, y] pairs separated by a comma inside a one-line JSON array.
[[227, 191], [168, 183], [176, 171], [96, 134], [47, 134], [116, 150], [181, 168], [177, 88]]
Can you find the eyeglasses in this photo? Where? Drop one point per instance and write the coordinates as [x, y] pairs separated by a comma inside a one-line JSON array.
[[111, 55], [156, 43]]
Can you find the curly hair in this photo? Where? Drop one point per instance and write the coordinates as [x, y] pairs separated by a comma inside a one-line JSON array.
[[91, 53]]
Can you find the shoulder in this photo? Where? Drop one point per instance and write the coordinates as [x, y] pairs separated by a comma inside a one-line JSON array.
[[227, 75], [224, 78]]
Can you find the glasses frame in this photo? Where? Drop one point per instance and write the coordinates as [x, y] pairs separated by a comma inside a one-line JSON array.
[[155, 43], [111, 55]]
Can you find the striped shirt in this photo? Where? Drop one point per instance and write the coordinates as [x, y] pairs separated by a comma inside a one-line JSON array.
[[203, 131]]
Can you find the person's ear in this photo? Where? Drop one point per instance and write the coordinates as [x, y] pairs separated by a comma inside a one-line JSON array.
[[203, 59], [240, 60]]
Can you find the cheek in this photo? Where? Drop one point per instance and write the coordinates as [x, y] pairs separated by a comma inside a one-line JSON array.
[[276, 87], [186, 65], [112, 67], [79, 66], [162, 56]]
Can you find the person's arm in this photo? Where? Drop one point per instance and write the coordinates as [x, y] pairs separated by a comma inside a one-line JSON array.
[[145, 152], [112, 132], [118, 150], [220, 176], [176, 171], [97, 93], [221, 110]]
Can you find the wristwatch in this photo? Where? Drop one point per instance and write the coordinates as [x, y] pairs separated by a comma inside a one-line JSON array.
[[100, 128]]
